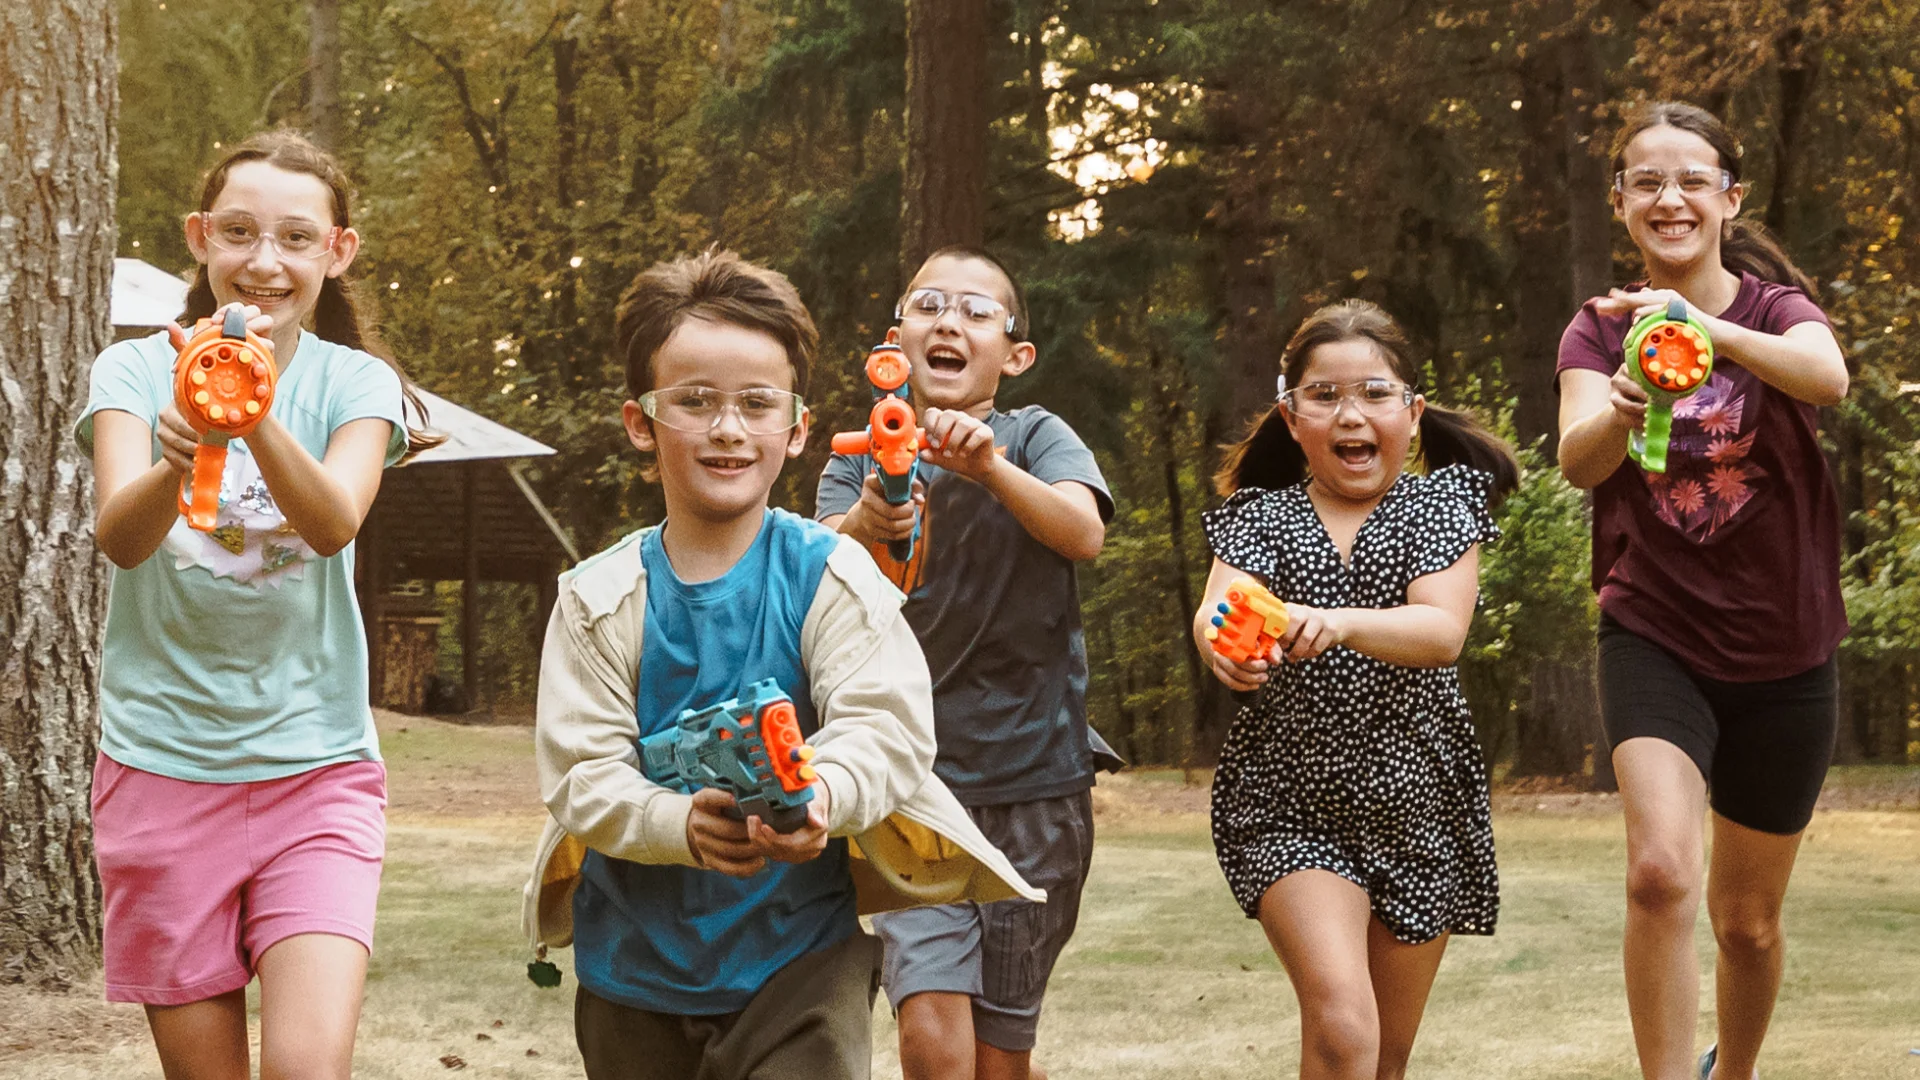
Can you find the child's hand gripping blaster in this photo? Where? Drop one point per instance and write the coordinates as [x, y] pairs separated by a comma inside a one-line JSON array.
[[223, 383], [892, 437], [1670, 354], [749, 747], [1250, 622]]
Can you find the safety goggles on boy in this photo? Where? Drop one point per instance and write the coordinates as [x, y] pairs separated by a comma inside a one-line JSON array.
[[295, 238], [1644, 183], [1373, 397], [977, 310], [762, 410]]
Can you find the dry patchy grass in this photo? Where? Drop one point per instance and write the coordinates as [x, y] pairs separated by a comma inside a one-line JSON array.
[[1164, 979]]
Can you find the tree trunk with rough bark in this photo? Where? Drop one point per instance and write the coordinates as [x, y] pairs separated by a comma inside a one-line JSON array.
[[58, 120], [944, 187], [323, 72]]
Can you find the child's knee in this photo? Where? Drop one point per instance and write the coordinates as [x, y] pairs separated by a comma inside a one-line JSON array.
[[1342, 1037], [936, 1035]]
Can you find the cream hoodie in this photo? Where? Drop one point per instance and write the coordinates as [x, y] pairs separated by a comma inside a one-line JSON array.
[[913, 843]]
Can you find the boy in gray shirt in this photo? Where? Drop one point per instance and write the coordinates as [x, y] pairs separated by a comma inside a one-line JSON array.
[[1009, 503]]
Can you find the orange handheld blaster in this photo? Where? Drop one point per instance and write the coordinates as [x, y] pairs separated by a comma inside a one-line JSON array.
[[749, 747], [223, 384], [892, 437], [1250, 622]]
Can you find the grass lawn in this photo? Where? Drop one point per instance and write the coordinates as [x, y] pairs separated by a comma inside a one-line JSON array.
[[1164, 978]]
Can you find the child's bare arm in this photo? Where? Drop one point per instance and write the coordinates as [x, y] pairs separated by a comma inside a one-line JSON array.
[[1429, 630], [136, 499], [1065, 516]]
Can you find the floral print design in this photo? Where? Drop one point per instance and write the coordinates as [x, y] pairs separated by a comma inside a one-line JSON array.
[[1711, 475]]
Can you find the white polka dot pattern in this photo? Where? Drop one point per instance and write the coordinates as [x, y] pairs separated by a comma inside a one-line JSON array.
[[1345, 763]]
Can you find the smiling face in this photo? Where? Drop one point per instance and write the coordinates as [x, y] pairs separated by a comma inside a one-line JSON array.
[[957, 365], [1673, 231], [1350, 454], [723, 474], [284, 202]]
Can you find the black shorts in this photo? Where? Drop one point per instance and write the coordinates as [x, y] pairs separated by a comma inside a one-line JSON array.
[[1763, 747]]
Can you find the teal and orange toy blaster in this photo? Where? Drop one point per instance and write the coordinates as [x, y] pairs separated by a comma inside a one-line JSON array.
[[893, 437], [1671, 356], [1249, 623], [223, 383], [749, 747]]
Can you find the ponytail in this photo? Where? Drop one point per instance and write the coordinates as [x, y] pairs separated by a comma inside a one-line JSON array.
[[338, 315], [1267, 457], [1748, 246], [1449, 437]]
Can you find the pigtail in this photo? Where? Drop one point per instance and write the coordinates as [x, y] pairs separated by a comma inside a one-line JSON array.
[[1449, 437], [1749, 246], [1267, 457], [338, 317]]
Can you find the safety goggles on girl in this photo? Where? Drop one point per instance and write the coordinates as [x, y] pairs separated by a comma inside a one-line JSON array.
[[1373, 397]]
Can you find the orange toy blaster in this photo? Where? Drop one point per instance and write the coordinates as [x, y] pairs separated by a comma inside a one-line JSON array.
[[1250, 622], [223, 384], [892, 437]]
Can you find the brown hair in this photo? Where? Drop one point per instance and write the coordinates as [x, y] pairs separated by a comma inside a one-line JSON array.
[[1268, 456], [718, 286], [1747, 245], [341, 315], [1021, 326]]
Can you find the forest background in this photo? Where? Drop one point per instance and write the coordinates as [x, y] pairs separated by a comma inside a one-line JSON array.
[[1178, 182]]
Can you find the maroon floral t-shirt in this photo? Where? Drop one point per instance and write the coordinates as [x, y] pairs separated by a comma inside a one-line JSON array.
[[1731, 559]]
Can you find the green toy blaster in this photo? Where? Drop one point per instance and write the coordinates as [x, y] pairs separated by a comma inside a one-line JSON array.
[[749, 747], [1670, 354]]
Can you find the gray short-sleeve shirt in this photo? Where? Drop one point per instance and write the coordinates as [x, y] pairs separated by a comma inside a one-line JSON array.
[[998, 614]]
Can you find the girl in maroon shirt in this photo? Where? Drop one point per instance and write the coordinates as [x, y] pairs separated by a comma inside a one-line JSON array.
[[1719, 585]]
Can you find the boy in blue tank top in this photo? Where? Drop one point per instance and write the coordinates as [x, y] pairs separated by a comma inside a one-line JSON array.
[[707, 944]]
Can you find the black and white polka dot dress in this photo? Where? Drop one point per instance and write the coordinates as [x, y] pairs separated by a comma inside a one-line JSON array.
[[1345, 763]]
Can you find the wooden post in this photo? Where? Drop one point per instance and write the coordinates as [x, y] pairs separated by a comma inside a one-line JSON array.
[[470, 590]]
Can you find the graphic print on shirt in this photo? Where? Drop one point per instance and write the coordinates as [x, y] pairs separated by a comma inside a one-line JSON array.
[[252, 543], [1711, 475]]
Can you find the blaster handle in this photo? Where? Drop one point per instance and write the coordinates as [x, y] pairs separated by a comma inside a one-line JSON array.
[[200, 495]]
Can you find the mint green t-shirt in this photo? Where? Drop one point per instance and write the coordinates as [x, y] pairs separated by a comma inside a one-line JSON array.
[[238, 655]]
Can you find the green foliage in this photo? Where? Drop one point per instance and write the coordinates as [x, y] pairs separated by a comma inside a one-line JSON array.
[[1177, 182]]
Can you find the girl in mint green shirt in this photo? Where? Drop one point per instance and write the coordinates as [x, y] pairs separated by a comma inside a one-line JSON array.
[[236, 657]]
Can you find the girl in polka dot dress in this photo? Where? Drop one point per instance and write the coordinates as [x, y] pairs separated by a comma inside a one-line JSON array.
[[1350, 807]]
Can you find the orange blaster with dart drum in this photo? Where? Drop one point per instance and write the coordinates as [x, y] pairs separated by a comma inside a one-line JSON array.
[[1250, 622], [893, 436], [749, 747], [223, 382]]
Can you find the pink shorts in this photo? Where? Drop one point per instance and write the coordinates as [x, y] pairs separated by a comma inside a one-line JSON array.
[[199, 879]]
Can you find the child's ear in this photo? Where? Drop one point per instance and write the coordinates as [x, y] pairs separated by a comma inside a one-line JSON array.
[[196, 230], [1286, 417], [1019, 360], [1419, 408], [639, 428], [344, 249], [893, 335], [797, 439]]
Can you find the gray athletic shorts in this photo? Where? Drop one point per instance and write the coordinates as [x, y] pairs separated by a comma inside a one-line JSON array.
[[1002, 953]]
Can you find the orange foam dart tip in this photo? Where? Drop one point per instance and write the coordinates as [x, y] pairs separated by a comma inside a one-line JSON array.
[[1249, 622], [787, 750]]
